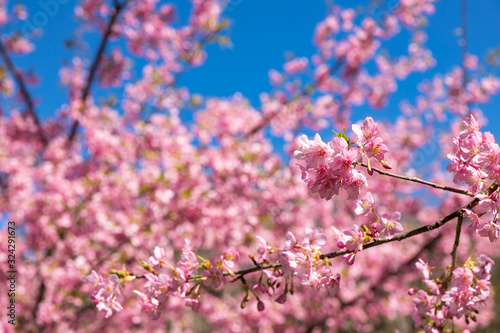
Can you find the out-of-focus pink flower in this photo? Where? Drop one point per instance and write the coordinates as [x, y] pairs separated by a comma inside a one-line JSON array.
[[106, 293], [230, 257], [365, 206], [213, 277], [261, 247], [296, 65], [275, 78]]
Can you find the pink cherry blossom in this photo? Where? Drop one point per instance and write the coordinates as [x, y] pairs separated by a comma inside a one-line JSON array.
[[288, 262], [376, 149], [315, 153], [354, 240], [213, 277], [389, 224], [424, 268], [230, 258], [365, 206], [159, 255], [366, 132], [491, 230], [295, 65], [462, 278], [314, 238]]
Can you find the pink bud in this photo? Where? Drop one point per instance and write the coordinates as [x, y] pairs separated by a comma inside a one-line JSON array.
[[495, 196], [386, 165], [281, 299], [369, 168], [349, 258], [260, 306]]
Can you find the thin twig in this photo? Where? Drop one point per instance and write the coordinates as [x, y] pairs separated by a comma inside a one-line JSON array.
[[457, 241], [439, 223], [95, 64], [420, 181], [463, 48], [376, 287], [464, 39], [305, 92], [18, 77]]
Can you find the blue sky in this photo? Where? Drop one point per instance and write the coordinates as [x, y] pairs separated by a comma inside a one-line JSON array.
[[262, 32]]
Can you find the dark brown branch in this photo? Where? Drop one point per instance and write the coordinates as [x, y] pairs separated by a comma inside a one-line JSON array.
[[376, 287], [463, 47], [439, 223], [457, 241], [420, 181], [96, 62], [18, 77]]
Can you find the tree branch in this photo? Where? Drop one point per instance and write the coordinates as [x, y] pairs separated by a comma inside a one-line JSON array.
[[439, 223], [95, 63], [377, 286], [306, 91], [420, 181], [464, 40], [457, 241], [23, 90]]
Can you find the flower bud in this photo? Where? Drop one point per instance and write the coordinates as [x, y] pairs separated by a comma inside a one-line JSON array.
[[386, 165], [260, 306]]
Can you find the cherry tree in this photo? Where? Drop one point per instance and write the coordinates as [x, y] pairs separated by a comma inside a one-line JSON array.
[[132, 218]]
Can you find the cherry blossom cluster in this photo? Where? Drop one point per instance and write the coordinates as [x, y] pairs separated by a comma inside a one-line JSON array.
[[346, 42], [459, 293], [106, 295], [304, 261], [113, 69], [331, 167], [163, 281], [476, 158], [453, 92], [353, 240], [297, 260], [483, 218]]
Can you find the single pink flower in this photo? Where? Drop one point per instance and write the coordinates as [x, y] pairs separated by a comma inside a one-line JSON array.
[[213, 277], [389, 224], [462, 278], [376, 149], [364, 133], [365, 206], [230, 257]]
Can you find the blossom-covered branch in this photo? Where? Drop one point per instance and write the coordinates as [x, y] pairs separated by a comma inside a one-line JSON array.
[[417, 231], [118, 8], [305, 92], [18, 76], [420, 181]]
